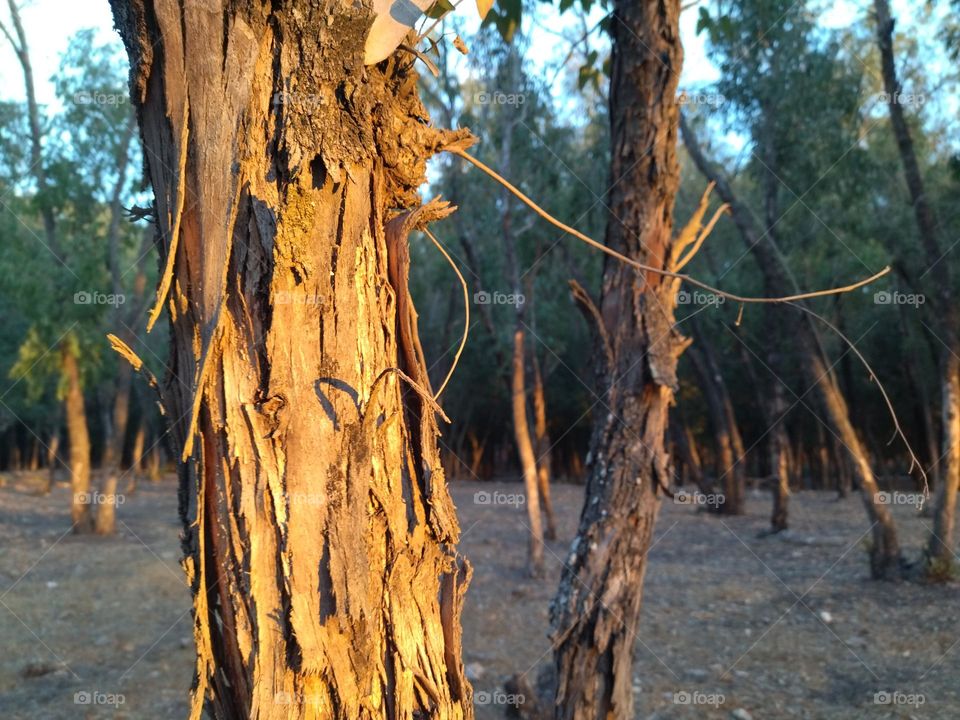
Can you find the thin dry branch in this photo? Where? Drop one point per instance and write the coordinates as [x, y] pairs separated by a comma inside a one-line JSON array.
[[898, 431], [649, 268], [466, 309]]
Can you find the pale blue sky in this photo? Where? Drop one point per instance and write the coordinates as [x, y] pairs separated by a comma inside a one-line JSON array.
[[50, 23]]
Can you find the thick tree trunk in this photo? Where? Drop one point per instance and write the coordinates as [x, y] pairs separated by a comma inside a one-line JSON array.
[[528, 461], [596, 611], [79, 437], [542, 444], [319, 536]]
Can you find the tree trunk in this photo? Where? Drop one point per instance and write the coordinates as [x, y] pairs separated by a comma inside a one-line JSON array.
[[319, 536], [154, 464], [136, 456], [107, 501], [779, 448], [940, 556], [940, 553], [596, 611], [544, 456], [729, 445], [79, 438], [528, 461], [53, 461], [885, 561]]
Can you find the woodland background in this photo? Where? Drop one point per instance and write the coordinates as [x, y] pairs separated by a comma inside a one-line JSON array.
[[795, 124]]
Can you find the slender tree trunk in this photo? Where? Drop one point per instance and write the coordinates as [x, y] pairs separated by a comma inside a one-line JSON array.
[[528, 461], [53, 461], [18, 41], [729, 444], [34, 463], [780, 469], [940, 555], [940, 552], [544, 456], [79, 437], [319, 536], [117, 426], [596, 611], [885, 560], [136, 456], [154, 464]]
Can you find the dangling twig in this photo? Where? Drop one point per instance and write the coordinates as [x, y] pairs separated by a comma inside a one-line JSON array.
[[466, 309], [898, 431], [649, 268]]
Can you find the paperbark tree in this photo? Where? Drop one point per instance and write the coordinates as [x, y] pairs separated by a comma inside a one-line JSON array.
[[596, 610], [319, 536]]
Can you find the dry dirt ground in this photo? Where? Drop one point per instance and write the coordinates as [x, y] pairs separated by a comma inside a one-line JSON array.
[[737, 626]]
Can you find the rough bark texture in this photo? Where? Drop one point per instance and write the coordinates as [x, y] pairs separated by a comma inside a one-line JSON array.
[[940, 555], [318, 532], [79, 437], [596, 610]]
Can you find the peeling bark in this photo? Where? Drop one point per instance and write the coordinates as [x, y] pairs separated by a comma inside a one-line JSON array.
[[595, 613], [319, 536]]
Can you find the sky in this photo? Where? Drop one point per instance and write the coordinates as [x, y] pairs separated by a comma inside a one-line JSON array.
[[50, 23]]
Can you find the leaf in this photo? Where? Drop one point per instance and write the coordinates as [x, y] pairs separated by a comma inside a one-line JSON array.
[[483, 7], [460, 45], [704, 21]]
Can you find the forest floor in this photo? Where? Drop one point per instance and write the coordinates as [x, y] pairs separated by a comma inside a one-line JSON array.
[[738, 626]]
